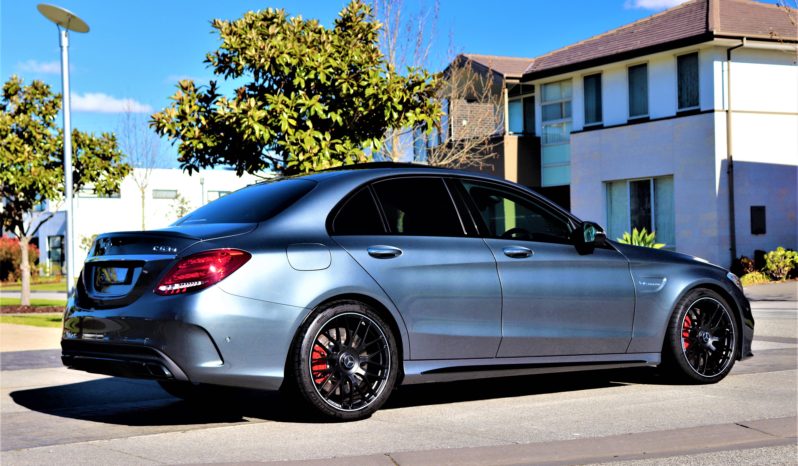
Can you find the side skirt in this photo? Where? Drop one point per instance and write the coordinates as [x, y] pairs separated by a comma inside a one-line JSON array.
[[427, 371]]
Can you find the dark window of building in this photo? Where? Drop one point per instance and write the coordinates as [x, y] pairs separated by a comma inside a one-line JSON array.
[[758, 221], [55, 249], [418, 207], [529, 115], [687, 71], [638, 91], [640, 204], [592, 99], [359, 216]]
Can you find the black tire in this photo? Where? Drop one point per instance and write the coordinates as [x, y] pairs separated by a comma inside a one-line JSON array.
[[701, 341], [188, 391], [344, 361]]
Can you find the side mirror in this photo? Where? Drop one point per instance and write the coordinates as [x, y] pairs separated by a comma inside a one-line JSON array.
[[587, 236]]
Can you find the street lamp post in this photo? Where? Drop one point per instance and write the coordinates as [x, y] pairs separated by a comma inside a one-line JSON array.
[[66, 21]]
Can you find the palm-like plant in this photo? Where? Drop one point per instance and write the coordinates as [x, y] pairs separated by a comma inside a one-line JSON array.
[[641, 238]]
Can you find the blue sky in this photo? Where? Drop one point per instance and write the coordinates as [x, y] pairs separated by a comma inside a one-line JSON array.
[[137, 50]]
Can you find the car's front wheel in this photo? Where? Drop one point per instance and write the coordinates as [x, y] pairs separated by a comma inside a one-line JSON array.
[[701, 342], [345, 361]]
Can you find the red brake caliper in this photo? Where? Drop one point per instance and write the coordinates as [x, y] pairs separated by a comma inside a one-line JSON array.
[[318, 360], [688, 323]]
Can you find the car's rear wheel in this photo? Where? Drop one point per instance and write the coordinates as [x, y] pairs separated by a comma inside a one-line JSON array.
[[701, 343], [345, 361]]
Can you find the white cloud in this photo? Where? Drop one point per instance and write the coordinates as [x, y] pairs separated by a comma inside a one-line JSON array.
[[652, 4], [33, 66], [104, 103]]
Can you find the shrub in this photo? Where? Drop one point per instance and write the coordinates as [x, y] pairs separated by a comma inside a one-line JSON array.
[[641, 238], [10, 258], [778, 263], [754, 278], [742, 266]]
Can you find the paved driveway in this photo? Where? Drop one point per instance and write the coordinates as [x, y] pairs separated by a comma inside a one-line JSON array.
[[52, 415]]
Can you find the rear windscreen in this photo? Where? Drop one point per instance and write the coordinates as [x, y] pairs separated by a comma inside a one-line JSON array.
[[252, 204]]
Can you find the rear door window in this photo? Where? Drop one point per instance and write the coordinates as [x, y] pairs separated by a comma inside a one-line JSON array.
[[359, 216], [418, 207]]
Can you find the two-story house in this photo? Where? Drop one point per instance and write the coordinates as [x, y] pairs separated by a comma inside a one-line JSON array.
[[684, 122]]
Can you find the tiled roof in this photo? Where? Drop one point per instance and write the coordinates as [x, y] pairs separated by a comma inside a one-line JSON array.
[[691, 22], [509, 67]]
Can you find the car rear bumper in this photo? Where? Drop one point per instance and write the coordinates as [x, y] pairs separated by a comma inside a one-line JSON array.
[[207, 337]]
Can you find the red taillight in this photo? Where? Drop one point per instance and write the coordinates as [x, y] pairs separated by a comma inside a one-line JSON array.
[[201, 270]]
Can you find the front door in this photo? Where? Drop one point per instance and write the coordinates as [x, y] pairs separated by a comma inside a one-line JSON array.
[[555, 301]]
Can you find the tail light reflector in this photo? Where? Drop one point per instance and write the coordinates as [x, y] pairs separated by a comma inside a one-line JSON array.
[[201, 270]]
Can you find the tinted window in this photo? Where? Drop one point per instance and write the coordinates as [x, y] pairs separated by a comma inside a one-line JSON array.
[[252, 204], [511, 216], [359, 216], [418, 206]]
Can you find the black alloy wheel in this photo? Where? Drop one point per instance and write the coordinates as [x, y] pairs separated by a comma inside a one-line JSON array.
[[702, 338], [346, 361]]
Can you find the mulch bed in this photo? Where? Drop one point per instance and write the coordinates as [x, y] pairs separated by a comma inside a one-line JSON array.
[[30, 309]]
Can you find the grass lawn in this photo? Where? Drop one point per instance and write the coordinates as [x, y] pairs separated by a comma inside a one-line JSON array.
[[33, 302], [37, 320], [42, 285]]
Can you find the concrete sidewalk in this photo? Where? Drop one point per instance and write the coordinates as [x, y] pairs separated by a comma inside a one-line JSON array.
[[14, 337], [54, 295]]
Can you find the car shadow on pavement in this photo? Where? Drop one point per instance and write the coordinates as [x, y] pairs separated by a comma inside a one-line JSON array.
[[143, 403]]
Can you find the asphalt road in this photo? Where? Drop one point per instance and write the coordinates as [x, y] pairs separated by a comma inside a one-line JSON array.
[[54, 416]]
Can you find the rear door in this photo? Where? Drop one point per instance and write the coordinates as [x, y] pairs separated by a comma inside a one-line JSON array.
[[555, 301], [406, 233]]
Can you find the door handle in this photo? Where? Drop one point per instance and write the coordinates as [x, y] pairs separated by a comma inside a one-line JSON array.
[[518, 252], [384, 252]]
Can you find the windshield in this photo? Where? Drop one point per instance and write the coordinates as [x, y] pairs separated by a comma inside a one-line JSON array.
[[252, 204]]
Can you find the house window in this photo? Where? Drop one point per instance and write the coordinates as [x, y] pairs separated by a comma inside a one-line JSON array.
[[522, 115], [687, 73], [592, 85], [88, 191], [55, 249], [556, 133], [164, 194], [642, 203], [758, 220], [213, 195], [638, 91]]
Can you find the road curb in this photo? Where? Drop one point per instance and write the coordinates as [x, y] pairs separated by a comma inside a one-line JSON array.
[[658, 444]]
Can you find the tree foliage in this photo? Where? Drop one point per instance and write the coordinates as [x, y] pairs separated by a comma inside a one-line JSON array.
[[31, 154], [309, 97], [32, 162]]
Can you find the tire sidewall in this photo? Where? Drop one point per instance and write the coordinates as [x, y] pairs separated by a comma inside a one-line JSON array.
[[304, 344]]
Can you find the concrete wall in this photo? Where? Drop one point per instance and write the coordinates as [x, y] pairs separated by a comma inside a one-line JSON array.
[[764, 103], [680, 147]]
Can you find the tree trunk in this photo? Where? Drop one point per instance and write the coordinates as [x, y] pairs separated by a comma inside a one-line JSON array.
[[143, 191], [24, 268]]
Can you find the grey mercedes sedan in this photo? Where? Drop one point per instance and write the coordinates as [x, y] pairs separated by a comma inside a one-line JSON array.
[[341, 285]]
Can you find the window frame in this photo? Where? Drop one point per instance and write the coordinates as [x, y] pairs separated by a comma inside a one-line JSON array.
[[524, 100], [647, 114], [628, 208], [532, 198], [600, 121], [566, 122], [466, 232], [697, 106]]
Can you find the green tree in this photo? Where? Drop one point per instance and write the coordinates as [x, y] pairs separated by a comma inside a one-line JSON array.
[[311, 97], [31, 162]]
